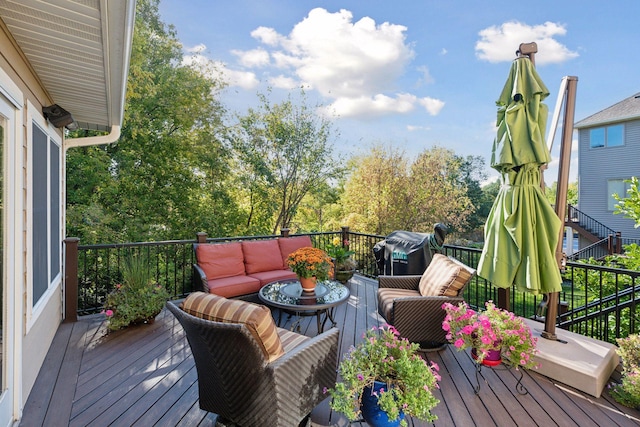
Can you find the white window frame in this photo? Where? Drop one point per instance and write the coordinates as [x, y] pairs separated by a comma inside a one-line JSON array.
[[605, 129], [620, 183], [34, 116]]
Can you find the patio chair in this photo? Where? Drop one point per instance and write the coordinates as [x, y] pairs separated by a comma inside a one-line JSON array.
[[249, 372], [413, 304]]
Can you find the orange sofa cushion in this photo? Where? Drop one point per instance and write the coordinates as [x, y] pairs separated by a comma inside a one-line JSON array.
[[261, 255], [221, 260], [290, 244], [257, 318]]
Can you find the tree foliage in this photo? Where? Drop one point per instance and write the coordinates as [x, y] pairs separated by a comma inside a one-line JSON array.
[[283, 151], [165, 177], [386, 192]]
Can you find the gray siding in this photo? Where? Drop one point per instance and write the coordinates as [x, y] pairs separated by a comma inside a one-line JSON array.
[[597, 166]]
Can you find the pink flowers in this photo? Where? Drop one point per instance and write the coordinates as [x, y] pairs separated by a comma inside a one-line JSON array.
[[490, 329]]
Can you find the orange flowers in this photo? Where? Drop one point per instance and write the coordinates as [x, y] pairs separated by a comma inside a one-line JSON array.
[[309, 262]]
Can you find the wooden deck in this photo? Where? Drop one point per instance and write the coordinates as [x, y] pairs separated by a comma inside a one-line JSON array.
[[145, 376]]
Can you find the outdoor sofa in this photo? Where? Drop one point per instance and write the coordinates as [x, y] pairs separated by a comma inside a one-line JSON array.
[[235, 269]]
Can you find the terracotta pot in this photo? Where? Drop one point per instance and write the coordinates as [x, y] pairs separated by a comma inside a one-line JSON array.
[[308, 283]]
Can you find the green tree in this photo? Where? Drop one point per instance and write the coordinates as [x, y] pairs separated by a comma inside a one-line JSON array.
[[629, 206], [385, 193], [283, 152], [375, 191], [166, 176], [572, 193]]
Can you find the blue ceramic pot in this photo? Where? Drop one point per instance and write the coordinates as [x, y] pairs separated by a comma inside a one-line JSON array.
[[372, 413]]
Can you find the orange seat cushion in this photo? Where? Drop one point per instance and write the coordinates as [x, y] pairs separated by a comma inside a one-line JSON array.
[[444, 276], [257, 318], [261, 255], [220, 260], [290, 244], [234, 286]]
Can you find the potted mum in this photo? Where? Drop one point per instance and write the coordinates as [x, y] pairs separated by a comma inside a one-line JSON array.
[[138, 299], [345, 266], [310, 264], [492, 330], [384, 379]]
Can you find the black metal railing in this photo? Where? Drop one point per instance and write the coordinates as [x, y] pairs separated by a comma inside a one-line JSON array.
[[596, 250], [596, 301], [588, 223]]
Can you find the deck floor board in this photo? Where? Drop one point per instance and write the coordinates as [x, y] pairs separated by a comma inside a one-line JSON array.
[[145, 376]]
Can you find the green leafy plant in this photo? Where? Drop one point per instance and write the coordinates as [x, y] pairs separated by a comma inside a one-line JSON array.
[[491, 329], [627, 392], [309, 262], [341, 254], [384, 356], [138, 299]]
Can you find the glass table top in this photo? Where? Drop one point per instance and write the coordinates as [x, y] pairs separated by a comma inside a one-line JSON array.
[[289, 294]]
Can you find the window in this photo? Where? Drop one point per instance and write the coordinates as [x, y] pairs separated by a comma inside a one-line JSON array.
[[46, 212], [608, 136], [619, 187]]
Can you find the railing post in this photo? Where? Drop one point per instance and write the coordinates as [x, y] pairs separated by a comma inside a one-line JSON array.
[[284, 232], [201, 237], [618, 242], [504, 298], [344, 236], [71, 279]]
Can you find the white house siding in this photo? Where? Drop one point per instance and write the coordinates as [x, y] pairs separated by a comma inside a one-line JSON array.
[[33, 324], [599, 165]]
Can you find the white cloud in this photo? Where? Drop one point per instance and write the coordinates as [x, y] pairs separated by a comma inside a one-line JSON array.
[[426, 75], [355, 64], [443, 51], [432, 105], [268, 36], [284, 82], [413, 128], [252, 58], [499, 43], [378, 105]]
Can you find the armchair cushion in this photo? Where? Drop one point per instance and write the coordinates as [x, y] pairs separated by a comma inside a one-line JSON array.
[[444, 276], [221, 260], [290, 244], [387, 298], [255, 317], [261, 255]]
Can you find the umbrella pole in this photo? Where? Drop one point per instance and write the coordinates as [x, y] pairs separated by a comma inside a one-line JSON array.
[[561, 199]]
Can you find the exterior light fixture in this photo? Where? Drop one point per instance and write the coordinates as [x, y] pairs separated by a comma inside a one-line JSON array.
[[58, 116]]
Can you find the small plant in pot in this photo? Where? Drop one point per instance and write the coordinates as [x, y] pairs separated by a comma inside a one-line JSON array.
[[407, 380], [345, 265], [137, 299]]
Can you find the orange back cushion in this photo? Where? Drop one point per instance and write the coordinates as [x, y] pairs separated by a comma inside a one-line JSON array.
[[261, 255], [290, 244], [220, 260], [257, 318]]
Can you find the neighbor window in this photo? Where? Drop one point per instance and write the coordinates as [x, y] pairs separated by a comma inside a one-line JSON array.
[[608, 136], [619, 187]]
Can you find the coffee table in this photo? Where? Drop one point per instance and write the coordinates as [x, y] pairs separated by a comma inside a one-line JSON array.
[[288, 296]]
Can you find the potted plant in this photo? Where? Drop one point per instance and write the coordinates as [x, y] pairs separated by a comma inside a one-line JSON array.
[[138, 299], [627, 391], [493, 329], [385, 362], [310, 264], [345, 266]]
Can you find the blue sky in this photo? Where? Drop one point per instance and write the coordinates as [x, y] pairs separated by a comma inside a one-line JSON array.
[[412, 74]]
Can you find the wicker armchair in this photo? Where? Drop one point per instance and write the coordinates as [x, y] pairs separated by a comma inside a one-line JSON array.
[[241, 385], [413, 304]]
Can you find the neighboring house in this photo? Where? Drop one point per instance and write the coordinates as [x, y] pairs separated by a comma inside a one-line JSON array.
[[609, 154], [73, 54]]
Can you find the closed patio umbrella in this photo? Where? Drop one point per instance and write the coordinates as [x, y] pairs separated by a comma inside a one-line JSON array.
[[522, 230]]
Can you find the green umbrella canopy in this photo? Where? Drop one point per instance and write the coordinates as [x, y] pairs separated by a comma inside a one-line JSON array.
[[521, 233]]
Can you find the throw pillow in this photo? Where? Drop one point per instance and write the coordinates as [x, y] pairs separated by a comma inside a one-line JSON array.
[[257, 318], [444, 276]]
